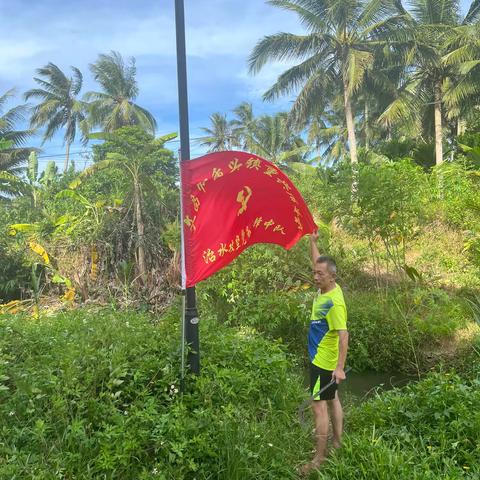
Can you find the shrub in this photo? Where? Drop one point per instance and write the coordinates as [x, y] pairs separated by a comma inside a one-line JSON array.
[[386, 206], [390, 330], [457, 188], [95, 395], [427, 430], [281, 315]]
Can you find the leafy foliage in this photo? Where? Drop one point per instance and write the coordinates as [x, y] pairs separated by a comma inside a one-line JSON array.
[[428, 430], [386, 207], [13, 154], [101, 390]]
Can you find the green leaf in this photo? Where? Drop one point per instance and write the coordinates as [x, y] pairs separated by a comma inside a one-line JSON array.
[[57, 278]]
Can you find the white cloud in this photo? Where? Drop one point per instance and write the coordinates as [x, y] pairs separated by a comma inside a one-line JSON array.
[[220, 36], [256, 85]]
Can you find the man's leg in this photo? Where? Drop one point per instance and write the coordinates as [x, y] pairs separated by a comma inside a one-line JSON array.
[[336, 413], [320, 412]]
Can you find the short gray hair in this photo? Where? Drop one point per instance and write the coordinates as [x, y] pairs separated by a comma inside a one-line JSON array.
[[330, 261]]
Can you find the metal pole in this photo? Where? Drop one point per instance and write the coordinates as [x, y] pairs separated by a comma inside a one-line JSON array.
[[191, 315]]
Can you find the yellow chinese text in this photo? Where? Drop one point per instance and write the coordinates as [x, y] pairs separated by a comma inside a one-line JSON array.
[[234, 165], [196, 202], [190, 222], [254, 163], [209, 256], [217, 173]]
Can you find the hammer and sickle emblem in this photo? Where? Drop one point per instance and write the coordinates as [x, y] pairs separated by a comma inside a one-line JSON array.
[[243, 197]]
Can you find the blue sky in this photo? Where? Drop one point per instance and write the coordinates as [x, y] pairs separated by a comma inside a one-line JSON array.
[[220, 36]]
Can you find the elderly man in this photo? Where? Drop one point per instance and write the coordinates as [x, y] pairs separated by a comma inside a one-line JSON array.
[[327, 348]]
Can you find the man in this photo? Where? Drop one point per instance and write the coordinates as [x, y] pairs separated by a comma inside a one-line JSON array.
[[327, 348]]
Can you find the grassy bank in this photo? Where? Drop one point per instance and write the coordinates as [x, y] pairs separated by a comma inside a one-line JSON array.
[[396, 329], [90, 395], [95, 395], [428, 430]]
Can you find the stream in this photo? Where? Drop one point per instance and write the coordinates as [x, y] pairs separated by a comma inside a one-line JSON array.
[[362, 385]]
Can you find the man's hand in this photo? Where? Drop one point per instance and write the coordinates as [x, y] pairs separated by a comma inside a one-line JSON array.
[[338, 375], [314, 236]]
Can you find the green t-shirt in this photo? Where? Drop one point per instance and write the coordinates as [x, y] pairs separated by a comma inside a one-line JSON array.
[[329, 313]]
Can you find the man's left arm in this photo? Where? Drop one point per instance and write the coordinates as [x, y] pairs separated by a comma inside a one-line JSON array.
[[339, 372]]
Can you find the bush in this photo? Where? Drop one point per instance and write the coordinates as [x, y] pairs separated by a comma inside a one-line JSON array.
[[95, 395], [386, 206], [280, 315], [427, 430], [14, 275], [14, 268], [391, 331], [457, 188], [378, 338]]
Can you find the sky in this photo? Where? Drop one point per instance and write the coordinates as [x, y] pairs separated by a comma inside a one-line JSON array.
[[220, 35]]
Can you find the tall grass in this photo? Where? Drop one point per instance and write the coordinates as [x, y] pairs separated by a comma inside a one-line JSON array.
[[428, 430], [95, 396]]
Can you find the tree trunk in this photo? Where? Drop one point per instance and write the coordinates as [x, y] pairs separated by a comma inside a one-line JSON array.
[[352, 141], [137, 199], [366, 130], [67, 158], [438, 122]]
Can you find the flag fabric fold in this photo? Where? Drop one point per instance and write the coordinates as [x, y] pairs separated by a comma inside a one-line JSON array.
[[230, 201]]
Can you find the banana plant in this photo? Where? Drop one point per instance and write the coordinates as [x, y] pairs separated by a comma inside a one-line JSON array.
[[135, 159], [33, 185]]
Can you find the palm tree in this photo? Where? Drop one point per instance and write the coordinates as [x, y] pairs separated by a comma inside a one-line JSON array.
[[244, 125], [327, 134], [33, 186], [59, 107], [220, 136], [114, 107], [422, 47], [13, 154], [338, 50], [463, 56], [275, 140]]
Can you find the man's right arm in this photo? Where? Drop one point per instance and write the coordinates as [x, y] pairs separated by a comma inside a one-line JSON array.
[[314, 252]]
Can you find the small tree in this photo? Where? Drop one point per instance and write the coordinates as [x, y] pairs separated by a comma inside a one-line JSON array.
[[387, 206], [139, 156]]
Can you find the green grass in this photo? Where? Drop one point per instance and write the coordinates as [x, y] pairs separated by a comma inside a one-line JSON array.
[[94, 395], [428, 430], [89, 395]]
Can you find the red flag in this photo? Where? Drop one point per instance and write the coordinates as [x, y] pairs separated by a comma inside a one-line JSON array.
[[231, 200]]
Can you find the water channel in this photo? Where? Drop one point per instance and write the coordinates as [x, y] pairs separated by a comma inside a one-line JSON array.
[[359, 386], [362, 385]]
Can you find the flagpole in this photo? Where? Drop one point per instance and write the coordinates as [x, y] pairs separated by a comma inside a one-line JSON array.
[[190, 320]]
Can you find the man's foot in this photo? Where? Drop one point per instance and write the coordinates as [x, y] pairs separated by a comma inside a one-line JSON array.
[[336, 444], [309, 467]]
